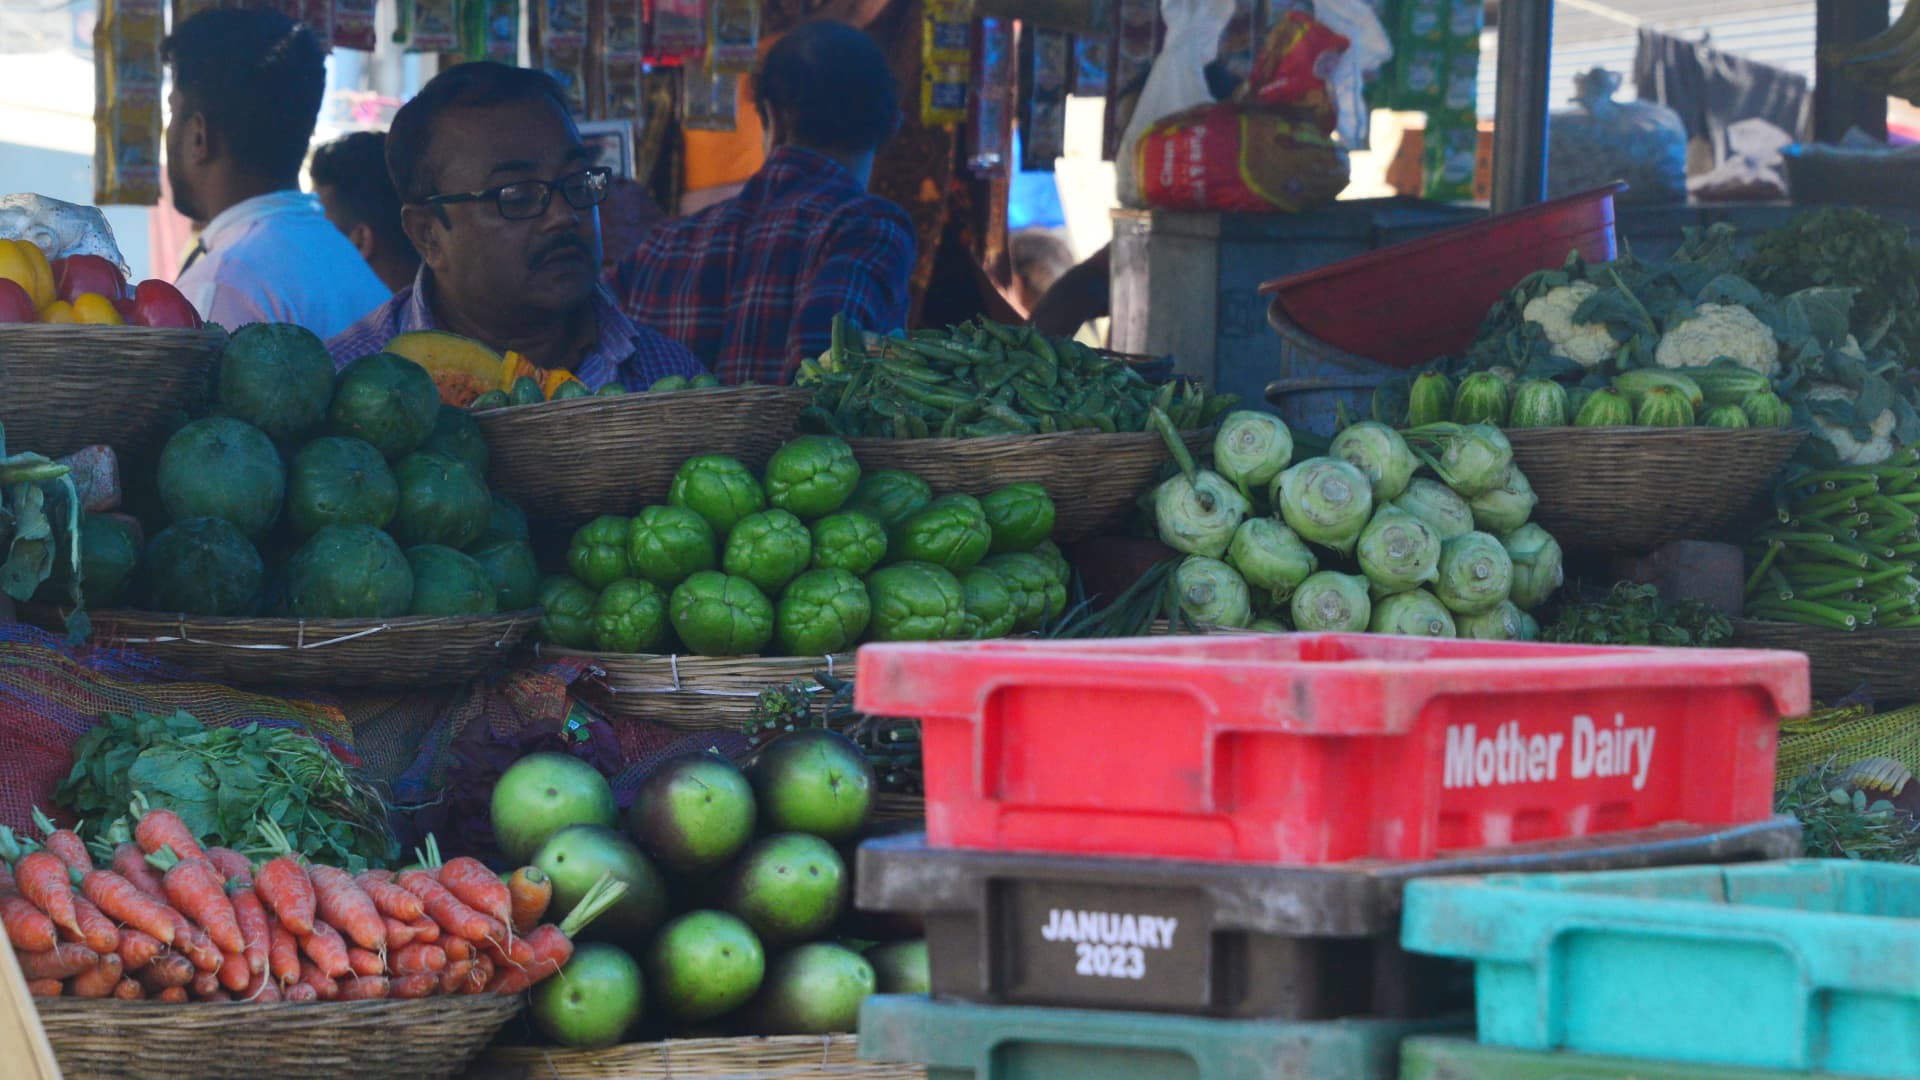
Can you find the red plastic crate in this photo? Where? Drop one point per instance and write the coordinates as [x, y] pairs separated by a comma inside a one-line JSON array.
[[1411, 303], [1309, 748]]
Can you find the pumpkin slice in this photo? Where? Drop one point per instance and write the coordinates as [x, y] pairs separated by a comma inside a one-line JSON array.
[[462, 368]]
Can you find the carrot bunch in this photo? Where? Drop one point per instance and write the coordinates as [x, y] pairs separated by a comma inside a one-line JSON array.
[[172, 921]]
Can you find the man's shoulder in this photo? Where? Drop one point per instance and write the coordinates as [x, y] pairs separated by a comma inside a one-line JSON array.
[[371, 333]]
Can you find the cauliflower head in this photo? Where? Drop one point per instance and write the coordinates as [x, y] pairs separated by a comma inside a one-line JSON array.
[[1586, 344], [1717, 330], [1851, 451]]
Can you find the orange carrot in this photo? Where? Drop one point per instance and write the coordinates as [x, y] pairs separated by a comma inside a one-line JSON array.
[[425, 930], [193, 943], [167, 969], [44, 879], [407, 987], [233, 973], [419, 959], [378, 875], [128, 989], [283, 953], [399, 934], [479, 888], [393, 901], [326, 948], [447, 910], [300, 994], [457, 947], [231, 865], [252, 917], [346, 905], [120, 899], [365, 962], [532, 891], [65, 844], [515, 953], [96, 930], [137, 949], [550, 947], [131, 863], [160, 828], [455, 976], [364, 988], [45, 987], [509, 980], [59, 962], [479, 975], [99, 980], [172, 995], [284, 888], [7, 884], [266, 993], [323, 984], [27, 926], [195, 889], [205, 985]]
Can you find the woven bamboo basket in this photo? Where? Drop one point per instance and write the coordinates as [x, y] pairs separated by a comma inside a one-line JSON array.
[[1631, 489], [431, 1039], [410, 651], [1094, 478], [1887, 662], [786, 1057], [569, 461], [696, 693], [66, 387]]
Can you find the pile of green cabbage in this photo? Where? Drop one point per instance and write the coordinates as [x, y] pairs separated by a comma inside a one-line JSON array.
[[1423, 532]]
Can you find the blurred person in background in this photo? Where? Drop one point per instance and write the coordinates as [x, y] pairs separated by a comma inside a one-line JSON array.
[[349, 177], [1039, 258], [246, 91], [751, 285]]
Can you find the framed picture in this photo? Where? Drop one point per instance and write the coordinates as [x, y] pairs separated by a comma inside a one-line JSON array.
[[610, 142]]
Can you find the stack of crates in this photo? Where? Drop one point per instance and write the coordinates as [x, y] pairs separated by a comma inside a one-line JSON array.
[[1790, 969], [1185, 857]]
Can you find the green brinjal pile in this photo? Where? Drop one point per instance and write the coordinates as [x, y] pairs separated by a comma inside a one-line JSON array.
[[983, 379], [1358, 540], [1845, 553], [809, 558]]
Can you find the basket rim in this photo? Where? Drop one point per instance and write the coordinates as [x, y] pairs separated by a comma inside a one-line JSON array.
[[481, 1003], [994, 441], [642, 399], [1824, 633], [68, 331], [280, 624], [1655, 433], [541, 648]]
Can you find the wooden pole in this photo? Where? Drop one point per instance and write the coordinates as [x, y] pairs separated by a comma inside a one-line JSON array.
[[1520, 104], [1839, 104], [23, 1045]]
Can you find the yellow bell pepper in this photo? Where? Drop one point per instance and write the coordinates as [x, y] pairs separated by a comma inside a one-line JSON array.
[[513, 368], [22, 262], [552, 379], [92, 309], [58, 312]]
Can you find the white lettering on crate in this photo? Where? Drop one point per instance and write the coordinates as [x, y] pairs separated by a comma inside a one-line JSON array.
[[1507, 757], [1109, 944]]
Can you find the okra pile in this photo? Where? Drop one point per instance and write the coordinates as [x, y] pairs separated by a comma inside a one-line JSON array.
[[1845, 552], [982, 379]]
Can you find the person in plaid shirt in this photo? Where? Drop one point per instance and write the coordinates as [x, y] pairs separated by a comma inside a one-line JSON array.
[[501, 199], [752, 284]]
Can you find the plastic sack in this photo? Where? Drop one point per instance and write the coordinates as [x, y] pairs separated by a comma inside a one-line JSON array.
[[1292, 67], [1755, 169], [1178, 79], [1238, 158], [1368, 47], [59, 228], [1600, 140]]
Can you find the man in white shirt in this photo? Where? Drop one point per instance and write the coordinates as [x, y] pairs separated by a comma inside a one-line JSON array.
[[247, 85]]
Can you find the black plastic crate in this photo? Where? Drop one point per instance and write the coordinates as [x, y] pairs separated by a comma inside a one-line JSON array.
[[1212, 939]]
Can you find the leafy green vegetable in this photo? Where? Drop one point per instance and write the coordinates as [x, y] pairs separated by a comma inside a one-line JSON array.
[[1848, 248], [1839, 822], [1632, 614], [223, 782]]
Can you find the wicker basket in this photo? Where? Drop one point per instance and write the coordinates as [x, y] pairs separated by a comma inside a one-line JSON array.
[[569, 461], [1094, 478], [1887, 662], [429, 1039], [1631, 489], [415, 650], [696, 693], [786, 1057], [66, 387]]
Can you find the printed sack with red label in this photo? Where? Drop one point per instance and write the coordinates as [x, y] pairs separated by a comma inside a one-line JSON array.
[[1238, 158]]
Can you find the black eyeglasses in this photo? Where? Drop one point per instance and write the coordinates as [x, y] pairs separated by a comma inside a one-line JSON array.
[[525, 199]]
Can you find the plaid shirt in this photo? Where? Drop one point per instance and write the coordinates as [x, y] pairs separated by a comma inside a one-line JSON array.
[[631, 354], [752, 284]]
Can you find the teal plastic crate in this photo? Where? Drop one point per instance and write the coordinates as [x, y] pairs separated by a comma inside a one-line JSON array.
[[1464, 1059], [957, 1041], [1791, 965]]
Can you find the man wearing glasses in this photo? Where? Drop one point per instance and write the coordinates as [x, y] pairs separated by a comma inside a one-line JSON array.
[[500, 201]]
